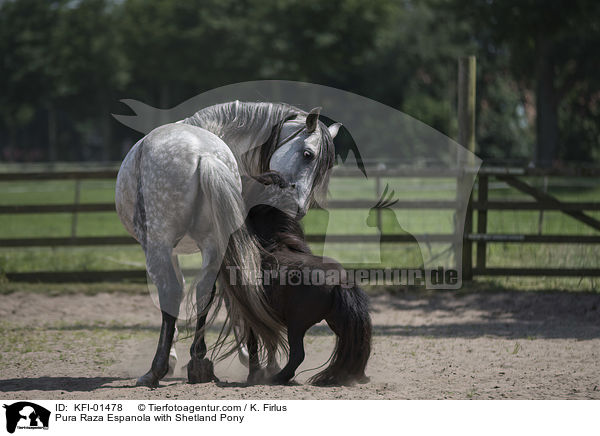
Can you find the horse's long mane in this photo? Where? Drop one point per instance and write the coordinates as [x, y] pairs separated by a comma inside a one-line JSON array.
[[251, 130], [244, 126]]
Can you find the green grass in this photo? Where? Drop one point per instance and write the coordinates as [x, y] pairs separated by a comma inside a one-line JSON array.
[[351, 221], [33, 347]]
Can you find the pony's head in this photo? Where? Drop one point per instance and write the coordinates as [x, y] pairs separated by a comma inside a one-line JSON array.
[[385, 202], [301, 149]]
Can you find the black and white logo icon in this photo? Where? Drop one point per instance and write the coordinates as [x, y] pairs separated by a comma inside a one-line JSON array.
[[26, 415]]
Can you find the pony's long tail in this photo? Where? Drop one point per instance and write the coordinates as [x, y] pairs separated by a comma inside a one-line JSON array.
[[350, 320], [240, 285]]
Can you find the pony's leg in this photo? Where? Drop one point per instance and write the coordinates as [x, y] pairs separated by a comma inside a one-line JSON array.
[[161, 271], [362, 378], [296, 342], [173, 353], [200, 369]]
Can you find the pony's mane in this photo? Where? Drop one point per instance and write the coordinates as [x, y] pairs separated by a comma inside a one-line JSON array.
[[276, 230]]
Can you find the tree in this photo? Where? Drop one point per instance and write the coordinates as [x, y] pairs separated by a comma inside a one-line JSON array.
[[552, 46], [25, 79]]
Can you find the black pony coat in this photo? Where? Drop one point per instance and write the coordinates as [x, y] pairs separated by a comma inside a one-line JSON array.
[[300, 304]]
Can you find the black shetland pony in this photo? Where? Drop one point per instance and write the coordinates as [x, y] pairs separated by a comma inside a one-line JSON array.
[[290, 271]]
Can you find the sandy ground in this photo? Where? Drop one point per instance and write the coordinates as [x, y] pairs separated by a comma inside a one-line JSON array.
[[514, 345]]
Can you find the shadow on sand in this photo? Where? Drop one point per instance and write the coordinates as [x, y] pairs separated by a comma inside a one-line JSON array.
[[550, 315], [67, 384]]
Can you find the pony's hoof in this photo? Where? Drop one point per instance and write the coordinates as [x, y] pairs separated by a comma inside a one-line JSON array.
[[201, 371], [363, 379], [149, 380], [279, 380]]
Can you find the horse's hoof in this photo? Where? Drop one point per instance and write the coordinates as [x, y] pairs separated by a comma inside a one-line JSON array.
[[201, 371], [244, 356], [272, 370], [149, 380]]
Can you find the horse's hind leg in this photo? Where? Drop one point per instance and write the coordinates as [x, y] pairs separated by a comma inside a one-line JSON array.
[[173, 352], [161, 271], [200, 369]]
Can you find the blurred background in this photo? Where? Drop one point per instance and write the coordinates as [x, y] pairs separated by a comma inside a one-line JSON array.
[[534, 226], [66, 64]]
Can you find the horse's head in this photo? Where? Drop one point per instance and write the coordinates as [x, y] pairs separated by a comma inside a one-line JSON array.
[[385, 202], [303, 154]]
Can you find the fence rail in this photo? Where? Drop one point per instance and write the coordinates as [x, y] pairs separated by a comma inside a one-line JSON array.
[[472, 238]]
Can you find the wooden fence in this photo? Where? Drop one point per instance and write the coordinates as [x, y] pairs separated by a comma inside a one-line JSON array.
[[471, 238]]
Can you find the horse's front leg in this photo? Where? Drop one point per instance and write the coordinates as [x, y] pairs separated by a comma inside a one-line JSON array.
[[173, 354], [163, 274], [256, 374], [272, 365], [200, 369]]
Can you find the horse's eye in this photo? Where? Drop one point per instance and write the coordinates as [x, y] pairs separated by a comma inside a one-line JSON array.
[[308, 154]]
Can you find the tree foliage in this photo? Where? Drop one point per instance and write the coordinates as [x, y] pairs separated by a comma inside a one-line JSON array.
[[64, 65]]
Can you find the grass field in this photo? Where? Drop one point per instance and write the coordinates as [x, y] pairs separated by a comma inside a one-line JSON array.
[[347, 221]]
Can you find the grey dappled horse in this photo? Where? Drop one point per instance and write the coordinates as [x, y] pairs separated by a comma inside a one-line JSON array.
[[179, 191]]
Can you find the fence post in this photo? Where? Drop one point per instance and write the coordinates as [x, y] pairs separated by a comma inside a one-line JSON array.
[[466, 138], [541, 214], [378, 210], [76, 202], [482, 198]]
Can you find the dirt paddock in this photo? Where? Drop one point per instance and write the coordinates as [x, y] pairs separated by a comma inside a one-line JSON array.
[[513, 345]]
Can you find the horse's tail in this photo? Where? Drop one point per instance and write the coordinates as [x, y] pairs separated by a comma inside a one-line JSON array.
[[350, 320], [240, 285]]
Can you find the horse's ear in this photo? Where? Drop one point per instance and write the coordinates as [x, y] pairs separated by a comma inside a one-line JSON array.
[[334, 129], [312, 119]]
